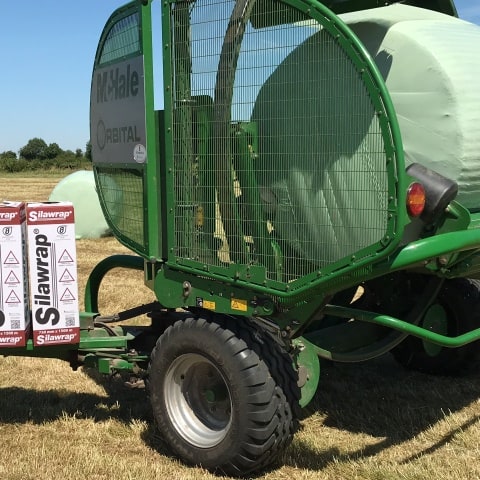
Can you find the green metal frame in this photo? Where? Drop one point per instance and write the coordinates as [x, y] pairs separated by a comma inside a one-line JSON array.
[[213, 284], [359, 264], [101, 269], [452, 250], [242, 290], [152, 201], [405, 327]]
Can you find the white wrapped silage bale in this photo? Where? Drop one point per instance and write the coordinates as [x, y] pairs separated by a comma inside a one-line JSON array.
[[431, 65], [79, 188]]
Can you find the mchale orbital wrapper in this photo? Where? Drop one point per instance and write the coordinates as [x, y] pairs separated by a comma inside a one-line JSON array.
[[310, 190]]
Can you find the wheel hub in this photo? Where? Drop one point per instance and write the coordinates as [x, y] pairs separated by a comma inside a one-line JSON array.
[[198, 400]]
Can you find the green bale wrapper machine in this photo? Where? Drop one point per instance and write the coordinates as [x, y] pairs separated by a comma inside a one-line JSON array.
[[310, 190]]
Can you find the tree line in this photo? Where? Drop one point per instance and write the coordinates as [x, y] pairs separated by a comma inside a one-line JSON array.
[[37, 154]]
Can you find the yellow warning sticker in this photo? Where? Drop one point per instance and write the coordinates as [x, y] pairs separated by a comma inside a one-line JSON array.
[[208, 304], [238, 304]]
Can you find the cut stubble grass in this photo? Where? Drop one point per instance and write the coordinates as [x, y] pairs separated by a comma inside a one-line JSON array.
[[367, 421]]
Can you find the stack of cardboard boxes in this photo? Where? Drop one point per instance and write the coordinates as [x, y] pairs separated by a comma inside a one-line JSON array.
[[38, 274]]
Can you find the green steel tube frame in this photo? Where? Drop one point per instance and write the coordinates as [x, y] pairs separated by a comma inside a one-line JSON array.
[[101, 269], [394, 155], [409, 255], [400, 325]]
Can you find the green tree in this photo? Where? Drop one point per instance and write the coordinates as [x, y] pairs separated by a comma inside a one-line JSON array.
[[88, 151], [52, 151], [8, 155], [78, 153], [35, 148]]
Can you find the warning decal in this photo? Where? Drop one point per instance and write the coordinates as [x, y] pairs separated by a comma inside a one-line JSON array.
[[10, 259], [12, 279], [67, 296], [66, 277], [238, 304], [65, 258], [12, 298]]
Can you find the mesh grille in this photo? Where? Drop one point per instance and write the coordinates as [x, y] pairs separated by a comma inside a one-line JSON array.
[[120, 187], [122, 40], [121, 194], [284, 167]]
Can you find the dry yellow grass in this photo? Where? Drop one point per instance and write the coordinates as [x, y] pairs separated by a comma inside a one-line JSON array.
[[28, 187], [371, 421]]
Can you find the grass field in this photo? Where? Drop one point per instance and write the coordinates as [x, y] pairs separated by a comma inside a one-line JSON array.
[[368, 421]]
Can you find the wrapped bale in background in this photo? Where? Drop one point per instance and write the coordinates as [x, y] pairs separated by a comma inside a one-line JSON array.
[[430, 64], [79, 188]]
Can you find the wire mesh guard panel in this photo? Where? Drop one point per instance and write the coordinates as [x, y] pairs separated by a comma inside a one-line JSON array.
[[122, 197], [120, 180], [279, 156], [123, 39]]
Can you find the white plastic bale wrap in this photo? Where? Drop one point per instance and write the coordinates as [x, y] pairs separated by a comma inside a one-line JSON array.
[[321, 164], [79, 188], [431, 65]]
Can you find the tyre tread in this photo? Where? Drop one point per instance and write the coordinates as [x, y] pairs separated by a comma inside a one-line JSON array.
[[269, 379]]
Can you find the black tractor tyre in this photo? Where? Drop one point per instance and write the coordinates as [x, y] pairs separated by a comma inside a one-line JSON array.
[[458, 303], [224, 394]]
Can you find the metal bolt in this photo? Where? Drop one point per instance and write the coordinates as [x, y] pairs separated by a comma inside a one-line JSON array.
[[442, 261], [187, 288]]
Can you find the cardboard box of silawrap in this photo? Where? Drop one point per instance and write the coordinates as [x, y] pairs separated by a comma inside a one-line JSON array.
[[14, 309], [53, 273]]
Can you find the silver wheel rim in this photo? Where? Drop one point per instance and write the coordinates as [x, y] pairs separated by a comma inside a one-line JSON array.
[[198, 400]]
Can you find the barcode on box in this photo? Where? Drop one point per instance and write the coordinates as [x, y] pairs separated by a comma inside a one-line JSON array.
[[70, 321], [15, 324]]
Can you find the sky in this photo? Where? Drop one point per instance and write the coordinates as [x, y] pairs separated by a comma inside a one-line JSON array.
[[47, 50]]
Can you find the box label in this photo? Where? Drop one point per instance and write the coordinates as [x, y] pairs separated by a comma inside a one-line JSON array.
[[53, 273], [14, 309]]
